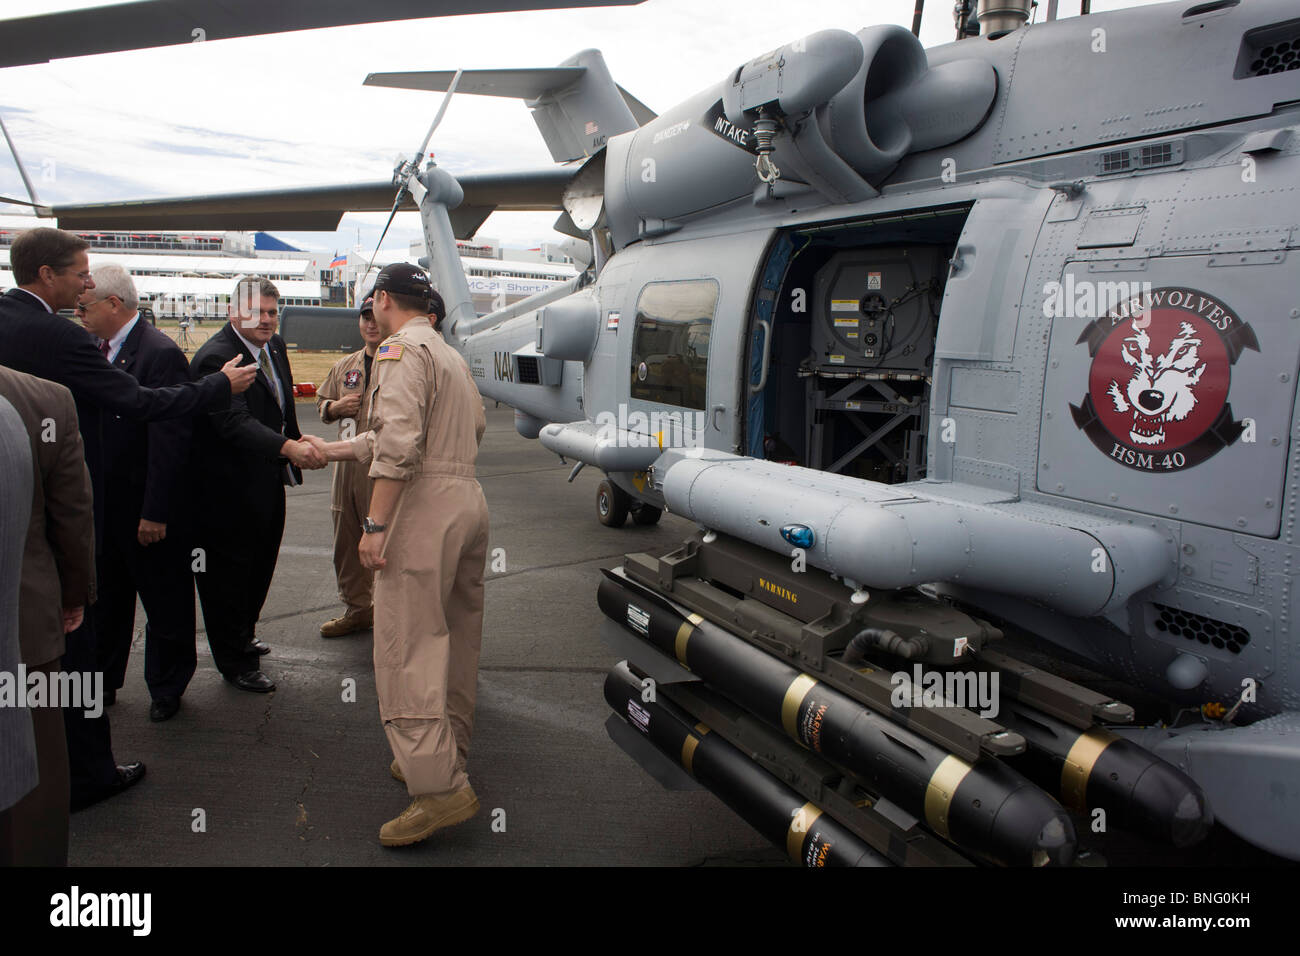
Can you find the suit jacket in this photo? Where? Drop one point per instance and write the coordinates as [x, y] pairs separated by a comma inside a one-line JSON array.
[[18, 769], [146, 464], [59, 555], [51, 347], [236, 457]]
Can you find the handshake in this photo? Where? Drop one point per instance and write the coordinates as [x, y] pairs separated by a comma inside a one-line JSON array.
[[308, 452]]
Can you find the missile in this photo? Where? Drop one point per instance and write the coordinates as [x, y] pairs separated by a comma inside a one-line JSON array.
[[984, 807], [811, 837], [1094, 768]]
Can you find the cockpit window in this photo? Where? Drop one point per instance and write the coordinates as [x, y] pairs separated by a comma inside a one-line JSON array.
[[670, 345]]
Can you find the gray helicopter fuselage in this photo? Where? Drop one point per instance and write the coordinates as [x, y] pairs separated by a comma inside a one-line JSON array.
[[1202, 204]]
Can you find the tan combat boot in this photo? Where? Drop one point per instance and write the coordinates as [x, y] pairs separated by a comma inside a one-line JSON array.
[[396, 771], [349, 623], [427, 814]]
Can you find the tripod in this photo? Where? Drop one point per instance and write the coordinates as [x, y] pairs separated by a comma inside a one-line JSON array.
[[187, 340]]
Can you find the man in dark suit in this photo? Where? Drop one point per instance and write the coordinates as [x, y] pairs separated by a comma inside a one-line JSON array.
[[52, 268], [57, 584], [243, 458], [145, 546]]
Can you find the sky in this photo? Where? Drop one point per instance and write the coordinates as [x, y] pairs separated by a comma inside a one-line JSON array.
[[289, 110]]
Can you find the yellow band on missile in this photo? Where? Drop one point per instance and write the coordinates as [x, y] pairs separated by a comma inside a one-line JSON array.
[[1078, 766], [684, 635], [803, 820], [794, 696], [688, 753], [945, 780]]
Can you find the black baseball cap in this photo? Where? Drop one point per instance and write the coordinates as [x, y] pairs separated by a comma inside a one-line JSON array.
[[368, 305], [403, 278]]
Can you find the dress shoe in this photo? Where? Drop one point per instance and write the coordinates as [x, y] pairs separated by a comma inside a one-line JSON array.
[[128, 775], [428, 814], [396, 771], [255, 681], [257, 647], [349, 623], [164, 708]]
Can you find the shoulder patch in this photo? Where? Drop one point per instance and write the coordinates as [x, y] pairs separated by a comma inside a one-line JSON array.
[[392, 351]]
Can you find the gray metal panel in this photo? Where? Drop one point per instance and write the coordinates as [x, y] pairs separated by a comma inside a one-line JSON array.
[[981, 302], [1140, 85], [733, 262], [992, 390], [1239, 487], [1111, 227]]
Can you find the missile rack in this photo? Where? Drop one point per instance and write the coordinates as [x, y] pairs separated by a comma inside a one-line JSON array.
[[749, 590], [748, 646]]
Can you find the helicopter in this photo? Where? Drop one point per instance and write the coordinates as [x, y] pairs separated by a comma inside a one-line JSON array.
[[933, 361]]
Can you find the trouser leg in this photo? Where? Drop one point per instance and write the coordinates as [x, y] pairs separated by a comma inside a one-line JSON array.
[[355, 582], [425, 750], [90, 741], [114, 613], [222, 585], [162, 575], [464, 613]]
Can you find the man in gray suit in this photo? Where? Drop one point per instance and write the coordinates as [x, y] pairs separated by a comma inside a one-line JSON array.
[[17, 745], [57, 585]]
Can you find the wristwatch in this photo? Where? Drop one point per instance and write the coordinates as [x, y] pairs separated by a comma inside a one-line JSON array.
[[371, 527]]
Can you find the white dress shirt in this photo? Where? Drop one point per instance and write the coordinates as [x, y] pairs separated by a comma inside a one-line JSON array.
[[257, 357], [115, 343]]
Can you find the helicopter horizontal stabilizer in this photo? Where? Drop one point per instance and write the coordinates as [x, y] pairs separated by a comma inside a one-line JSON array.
[[576, 105]]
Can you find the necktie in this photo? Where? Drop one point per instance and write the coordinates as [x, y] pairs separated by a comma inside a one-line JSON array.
[[103, 347], [265, 363]]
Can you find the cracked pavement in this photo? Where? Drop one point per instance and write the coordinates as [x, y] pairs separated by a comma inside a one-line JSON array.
[[300, 776]]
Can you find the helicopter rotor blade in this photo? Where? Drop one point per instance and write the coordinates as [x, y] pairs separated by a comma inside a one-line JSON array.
[[413, 166]]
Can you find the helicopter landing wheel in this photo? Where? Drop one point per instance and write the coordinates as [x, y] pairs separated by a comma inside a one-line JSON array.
[[612, 504], [645, 514]]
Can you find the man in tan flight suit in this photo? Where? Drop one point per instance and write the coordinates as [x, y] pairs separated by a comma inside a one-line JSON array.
[[426, 538], [345, 398]]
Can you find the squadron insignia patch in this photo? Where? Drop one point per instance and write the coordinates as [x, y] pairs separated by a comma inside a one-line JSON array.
[[352, 379], [393, 351], [1158, 387]]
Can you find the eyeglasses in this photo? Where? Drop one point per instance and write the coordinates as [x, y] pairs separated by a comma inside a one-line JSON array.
[[83, 307]]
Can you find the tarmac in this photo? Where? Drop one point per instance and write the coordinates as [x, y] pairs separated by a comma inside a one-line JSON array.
[[300, 776]]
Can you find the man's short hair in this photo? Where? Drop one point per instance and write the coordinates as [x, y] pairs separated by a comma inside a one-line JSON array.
[[437, 308], [43, 247], [253, 286], [113, 279], [409, 303]]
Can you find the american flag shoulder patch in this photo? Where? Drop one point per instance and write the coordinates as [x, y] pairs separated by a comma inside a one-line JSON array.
[[392, 351]]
